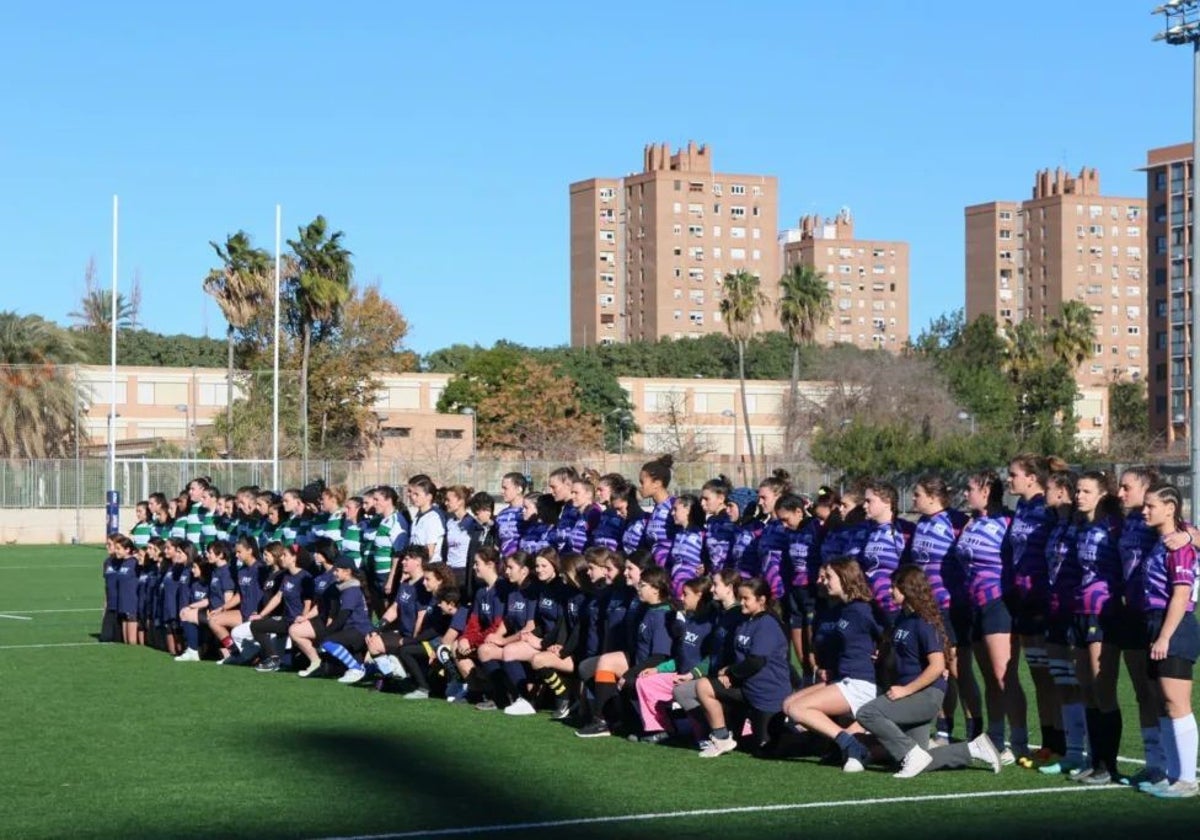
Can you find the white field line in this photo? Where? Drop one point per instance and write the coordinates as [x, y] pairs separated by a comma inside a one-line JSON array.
[[718, 812], [16, 617], [98, 566], [46, 612], [53, 645]]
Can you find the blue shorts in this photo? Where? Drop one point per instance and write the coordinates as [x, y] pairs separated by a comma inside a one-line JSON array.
[[1185, 641], [948, 627], [1031, 618], [991, 619], [1086, 630], [799, 606]]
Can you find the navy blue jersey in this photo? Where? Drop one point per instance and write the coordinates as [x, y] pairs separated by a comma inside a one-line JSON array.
[[1137, 540], [147, 590], [619, 599], [560, 534], [594, 614], [855, 636], [353, 605], [183, 592], [297, 588], [220, 586], [660, 530], [743, 555], [325, 594], [846, 541], [825, 638], [1025, 549], [197, 591], [913, 640], [691, 647], [458, 621], [653, 637], [725, 625], [534, 537], [763, 636], [520, 607], [121, 585], [250, 581], [633, 621], [168, 609], [550, 610], [489, 604], [411, 599]]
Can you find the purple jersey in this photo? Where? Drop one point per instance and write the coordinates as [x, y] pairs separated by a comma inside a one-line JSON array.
[[1026, 547], [1061, 568], [845, 541], [580, 536], [1099, 567], [632, 538], [881, 557], [719, 534], [508, 529], [765, 558], [660, 530], [686, 558], [534, 537], [1160, 572], [1137, 538], [560, 534], [803, 559], [609, 529], [980, 547], [743, 544], [933, 551]]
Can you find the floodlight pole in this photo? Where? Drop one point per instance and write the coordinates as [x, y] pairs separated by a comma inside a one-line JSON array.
[[1182, 26]]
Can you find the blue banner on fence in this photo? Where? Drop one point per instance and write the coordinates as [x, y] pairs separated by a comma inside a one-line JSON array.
[[112, 512]]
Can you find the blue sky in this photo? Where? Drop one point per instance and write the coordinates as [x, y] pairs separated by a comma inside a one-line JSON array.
[[442, 139]]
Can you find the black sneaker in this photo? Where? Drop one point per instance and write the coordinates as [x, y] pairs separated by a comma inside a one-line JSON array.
[[268, 665], [562, 709], [654, 738], [595, 729]]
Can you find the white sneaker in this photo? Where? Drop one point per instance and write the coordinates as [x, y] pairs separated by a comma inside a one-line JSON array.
[[982, 749], [718, 747], [1007, 757], [853, 765], [417, 694], [914, 762], [352, 676], [189, 655], [390, 666], [311, 669], [520, 707]]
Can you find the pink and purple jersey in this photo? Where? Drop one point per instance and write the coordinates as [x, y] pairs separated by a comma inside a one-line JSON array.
[[1026, 547], [631, 540], [980, 547], [1137, 539], [660, 530], [765, 558], [686, 558], [803, 558], [1061, 567], [932, 550], [609, 530], [560, 534], [580, 535], [742, 552], [508, 529], [1160, 572], [719, 534], [847, 540], [879, 559], [1099, 567]]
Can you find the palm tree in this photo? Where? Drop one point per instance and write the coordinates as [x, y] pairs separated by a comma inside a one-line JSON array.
[[95, 307], [804, 304], [1023, 344], [741, 305], [1071, 334], [240, 287], [320, 286], [38, 394]]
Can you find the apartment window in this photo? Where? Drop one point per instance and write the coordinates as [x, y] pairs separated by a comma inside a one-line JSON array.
[[695, 186], [737, 212], [696, 253], [1133, 252], [608, 279], [677, 230], [677, 207], [678, 185], [878, 269], [607, 319], [1160, 180], [1133, 291], [1160, 213], [755, 254], [695, 230], [1005, 233], [606, 193], [1006, 215], [1079, 231], [1096, 230], [607, 215], [716, 189], [677, 294], [608, 257], [1133, 330], [696, 274], [608, 236], [677, 251], [737, 189], [697, 297], [1133, 230], [1004, 255], [1133, 311], [716, 209], [737, 253], [716, 230], [696, 210], [448, 434], [737, 232], [755, 233], [1160, 245], [717, 252], [754, 210], [844, 269], [756, 191], [1095, 211], [606, 300], [696, 317]]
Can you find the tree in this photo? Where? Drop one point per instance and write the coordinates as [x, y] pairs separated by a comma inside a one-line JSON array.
[[675, 434], [741, 305], [149, 349], [1128, 421], [241, 288], [95, 307], [804, 304], [373, 328], [536, 411], [318, 290], [1071, 334], [39, 401]]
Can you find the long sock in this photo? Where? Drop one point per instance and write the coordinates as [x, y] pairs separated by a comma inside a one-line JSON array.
[[227, 643], [1166, 734], [1095, 735], [1075, 719], [995, 731], [1113, 727], [606, 690], [515, 671], [1187, 744], [1152, 746], [1020, 740], [851, 747], [502, 693], [191, 635], [1057, 740], [721, 733], [552, 680], [342, 655], [944, 727], [974, 728]]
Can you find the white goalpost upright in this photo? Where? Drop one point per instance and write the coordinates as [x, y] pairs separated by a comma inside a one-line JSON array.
[[275, 370], [112, 501]]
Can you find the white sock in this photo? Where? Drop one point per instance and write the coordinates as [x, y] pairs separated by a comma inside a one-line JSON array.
[[1074, 717], [1166, 735], [1187, 744], [1152, 744]]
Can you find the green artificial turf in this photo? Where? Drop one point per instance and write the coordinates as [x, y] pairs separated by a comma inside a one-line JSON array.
[[107, 741]]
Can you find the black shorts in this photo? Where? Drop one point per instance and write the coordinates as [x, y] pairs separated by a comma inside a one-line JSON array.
[[1060, 630], [960, 623], [1184, 644], [948, 627], [1031, 618], [1126, 629], [127, 616], [799, 607], [992, 619], [1086, 630], [393, 640], [351, 640]]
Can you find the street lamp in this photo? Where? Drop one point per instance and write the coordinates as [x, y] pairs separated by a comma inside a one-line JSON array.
[[729, 412], [187, 428], [966, 415], [471, 413], [380, 420], [1181, 19]]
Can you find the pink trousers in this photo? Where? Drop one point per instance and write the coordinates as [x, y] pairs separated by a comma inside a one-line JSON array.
[[654, 700]]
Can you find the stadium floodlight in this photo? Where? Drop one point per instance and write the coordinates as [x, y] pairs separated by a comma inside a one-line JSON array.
[[1181, 25]]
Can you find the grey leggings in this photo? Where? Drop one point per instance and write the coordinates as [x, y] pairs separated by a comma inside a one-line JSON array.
[[685, 695], [902, 724]]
